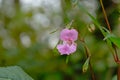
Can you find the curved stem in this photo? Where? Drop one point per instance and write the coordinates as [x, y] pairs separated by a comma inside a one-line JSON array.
[[118, 74], [117, 61], [116, 54], [116, 58], [88, 55], [105, 16]]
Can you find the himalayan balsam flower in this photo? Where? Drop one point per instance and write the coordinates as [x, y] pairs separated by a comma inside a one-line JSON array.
[[67, 34], [68, 37]]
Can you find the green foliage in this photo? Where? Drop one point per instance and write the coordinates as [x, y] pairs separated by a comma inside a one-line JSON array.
[[115, 77], [103, 30], [13, 73], [4, 79], [116, 41]]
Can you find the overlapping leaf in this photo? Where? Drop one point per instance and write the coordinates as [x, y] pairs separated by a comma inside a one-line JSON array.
[[13, 73]]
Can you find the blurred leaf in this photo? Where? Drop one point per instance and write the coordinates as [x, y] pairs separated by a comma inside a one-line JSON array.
[[103, 30], [106, 30], [116, 41], [95, 21], [5, 79], [108, 36], [13, 73], [115, 77], [86, 65]]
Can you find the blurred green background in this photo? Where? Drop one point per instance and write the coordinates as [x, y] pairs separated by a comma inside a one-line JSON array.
[[25, 39]]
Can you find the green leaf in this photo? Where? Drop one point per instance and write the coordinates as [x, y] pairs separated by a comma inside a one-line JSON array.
[[95, 21], [86, 65], [13, 73], [114, 77], [106, 30], [116, 41], [5, 79], [108, 36]]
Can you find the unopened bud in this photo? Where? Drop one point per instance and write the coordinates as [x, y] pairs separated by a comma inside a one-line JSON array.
[[91, 27]]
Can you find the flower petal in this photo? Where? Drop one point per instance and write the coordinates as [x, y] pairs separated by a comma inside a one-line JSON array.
[[66, 48], [67, 34], [73, 48]]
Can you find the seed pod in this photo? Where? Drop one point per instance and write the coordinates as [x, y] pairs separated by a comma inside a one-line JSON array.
[[91, 27]]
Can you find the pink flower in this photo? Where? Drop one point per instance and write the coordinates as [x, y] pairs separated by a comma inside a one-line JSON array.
[[66, 48], [68, 37], [67, 34]]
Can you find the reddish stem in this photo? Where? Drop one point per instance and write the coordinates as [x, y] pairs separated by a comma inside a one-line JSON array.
[[105, 16], [118, 74], [116, 58], [92, 73], [88, 55]]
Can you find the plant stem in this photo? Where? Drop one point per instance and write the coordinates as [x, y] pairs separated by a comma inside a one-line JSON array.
[[118, 73], [92, 73], [88, 55], [116, 54], [116, 58], [105, 16]]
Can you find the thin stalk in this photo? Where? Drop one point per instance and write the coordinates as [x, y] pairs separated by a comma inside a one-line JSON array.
[[116, 58], [116, 55], [92, 73], [118, 62], [89, 55], [118, 73], [105, 16]]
